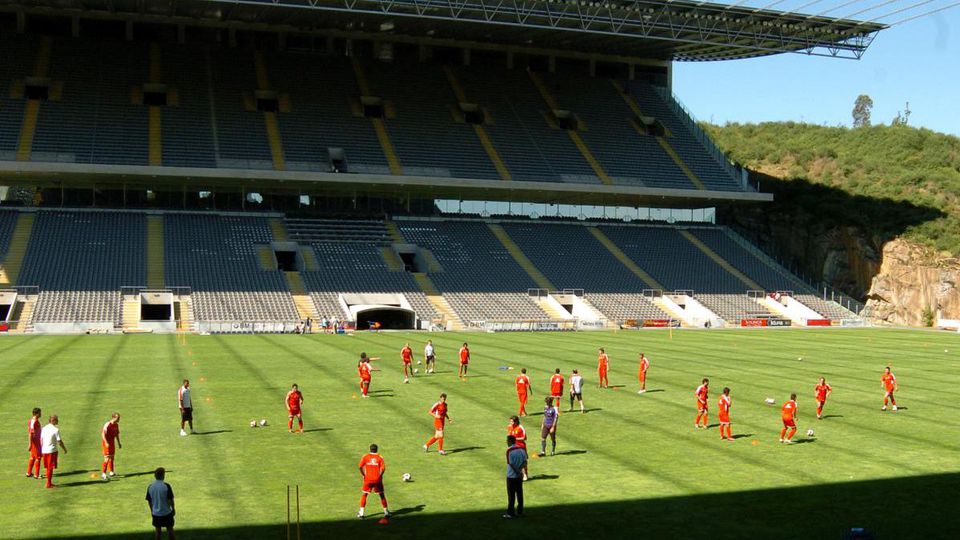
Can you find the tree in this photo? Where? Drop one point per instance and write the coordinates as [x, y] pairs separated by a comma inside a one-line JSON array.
[[861, 111], [903, 117]]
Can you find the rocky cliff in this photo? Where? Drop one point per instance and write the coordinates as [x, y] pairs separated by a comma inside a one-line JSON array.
[[913, 285]]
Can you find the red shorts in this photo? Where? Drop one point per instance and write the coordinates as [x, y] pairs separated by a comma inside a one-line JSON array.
[[724, 418], [642, 377], [557, 395], [373, 487], [35, 450], [407, 362], [702, 407], [50, 461], [294, 411], [364, 380], [464, 362], [108, 449], [890, 391], [438, 424], [789, 423], [522, 396]]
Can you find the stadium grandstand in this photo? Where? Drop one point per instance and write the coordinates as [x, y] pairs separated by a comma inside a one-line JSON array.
[[214, 166]]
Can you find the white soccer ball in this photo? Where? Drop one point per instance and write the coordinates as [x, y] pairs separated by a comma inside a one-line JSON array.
[[416, 370], [253, 423], [263, 422], [418, 362], [809, 433], [769, 401], [406, 477], [800, 358]]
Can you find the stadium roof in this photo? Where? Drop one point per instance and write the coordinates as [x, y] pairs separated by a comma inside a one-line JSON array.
[[650, 29]]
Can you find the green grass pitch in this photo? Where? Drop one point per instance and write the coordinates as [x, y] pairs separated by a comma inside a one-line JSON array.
[[632, 466]]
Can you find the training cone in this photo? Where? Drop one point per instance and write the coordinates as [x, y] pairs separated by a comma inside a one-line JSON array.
[[384, 521]]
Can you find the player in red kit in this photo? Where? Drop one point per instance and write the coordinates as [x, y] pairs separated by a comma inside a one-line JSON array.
[[702, 395], [524, 390], [889, 382], [464, 361], [372, 468], [642, 373], [406, 354], [789, 416], [556, 387], [603, 364], [33, 444], [822, 391], [440, 418], [520, 434], [364, 369], [294, 401], [723, 406], [110, 440]]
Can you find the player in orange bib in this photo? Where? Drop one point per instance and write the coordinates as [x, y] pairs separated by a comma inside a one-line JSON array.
[[406, 354], [789, 416], [33, 444], [524, 391], [723, 406], [464, 361], [642, 373], [440, 418], [603, 364], [702, 394], [364, 369], [294, 401], [556, 388], [889, 382], [822, 390], [520, 434], [110, 440], [372, 468]]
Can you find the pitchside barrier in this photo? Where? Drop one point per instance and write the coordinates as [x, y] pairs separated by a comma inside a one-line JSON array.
[[528, 326]]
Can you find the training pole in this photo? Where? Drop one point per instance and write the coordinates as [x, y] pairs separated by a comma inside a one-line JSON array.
[[298, 511], [288, 511]]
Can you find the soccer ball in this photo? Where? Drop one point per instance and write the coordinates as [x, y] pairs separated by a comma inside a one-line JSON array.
[[253, 423], [263, 422], [406, 477], [769, 401], [809, 433], [416, 370]]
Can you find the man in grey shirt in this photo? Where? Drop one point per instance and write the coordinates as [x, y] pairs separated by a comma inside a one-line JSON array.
[[516, 463], [160, 500]]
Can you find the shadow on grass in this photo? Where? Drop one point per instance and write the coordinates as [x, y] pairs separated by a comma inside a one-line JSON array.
[[464, 449], [924, 509], [742, 435], [654, 391], [543, 477], [143, 473], [832, 416], [72, 473], [213, 432], [571, 452], [316, 429]]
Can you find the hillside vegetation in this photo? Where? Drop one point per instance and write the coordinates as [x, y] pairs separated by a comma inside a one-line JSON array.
[[917, 169]]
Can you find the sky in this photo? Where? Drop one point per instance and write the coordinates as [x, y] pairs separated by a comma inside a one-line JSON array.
[[918, 61]]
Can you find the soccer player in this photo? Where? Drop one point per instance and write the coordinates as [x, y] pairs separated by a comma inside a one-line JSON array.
[[724, 407], [702, 395], [110, 440], [372, 468], [524, 390], [162, 508], [556, 386], [789, 416], [429, 356], [515, 430], [464, 361], [363, 368], [603, 364], [294, 401], [889, 383], [49, 440], [576, 390], [406, 354], [440, 418], [642, 374], [548, 427], [186, 407], [33, 442], [822, 391]]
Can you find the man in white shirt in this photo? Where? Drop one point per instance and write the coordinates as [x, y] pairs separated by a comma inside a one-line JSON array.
[[160, 500], [576, 390], [186, 407], [428, 354], [49, 440]]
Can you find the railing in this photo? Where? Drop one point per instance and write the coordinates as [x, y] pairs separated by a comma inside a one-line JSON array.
[[131, 290], [554, 325], [246, 327], [27, 290], [737, 173]]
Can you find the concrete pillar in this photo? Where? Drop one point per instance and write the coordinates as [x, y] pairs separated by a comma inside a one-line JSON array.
[[466, 57], [632, 72], [424, 51], [330, 44], [509, 60], [282, 40], [592, 67], [552, 64], [348, 48]]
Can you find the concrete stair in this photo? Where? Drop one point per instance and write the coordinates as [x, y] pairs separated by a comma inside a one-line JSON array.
[[17, 249], [156, 264], [535, 274], [130, 314], [266, 258], [186, 321], [752, 285], [439, 303], [391, 259], [622, 257], [23, 314], [301, 298], [550, 307], [278, 230]]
